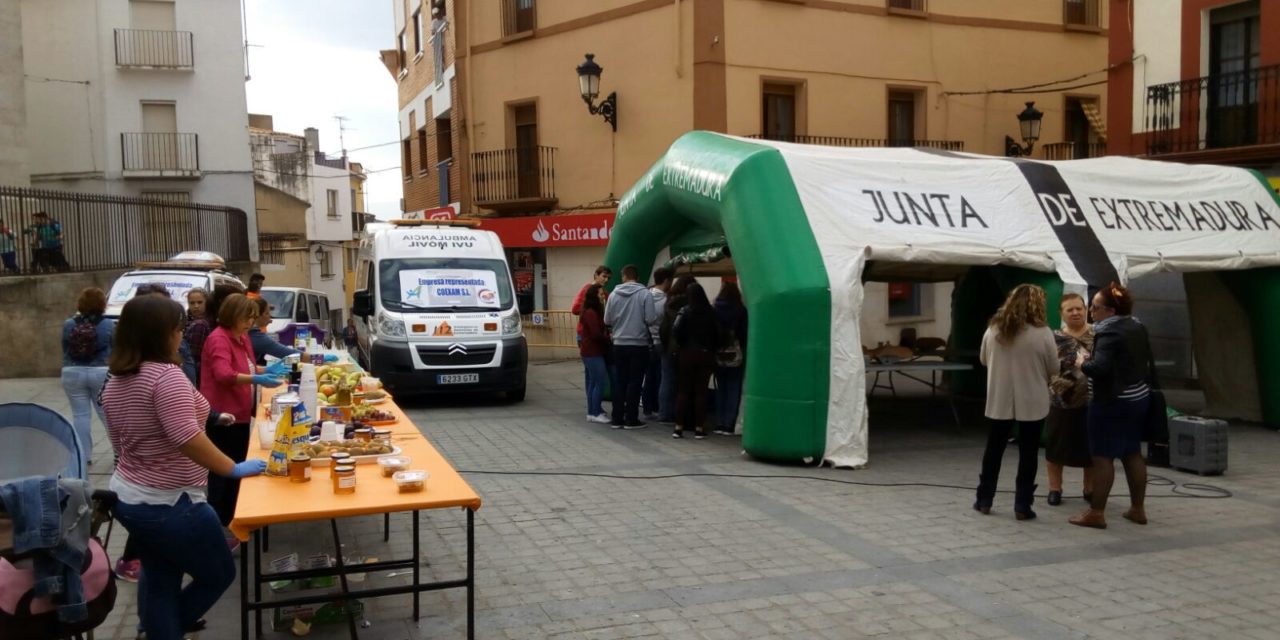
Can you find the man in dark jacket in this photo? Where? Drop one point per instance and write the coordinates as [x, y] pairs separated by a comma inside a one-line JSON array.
[[629, 314]]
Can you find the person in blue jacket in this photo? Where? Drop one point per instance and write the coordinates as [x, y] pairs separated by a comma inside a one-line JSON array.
[[86, 345], [263, 344]]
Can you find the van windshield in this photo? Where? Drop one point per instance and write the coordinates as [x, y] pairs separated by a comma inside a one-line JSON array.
[[281, 302], [127, 285], [444, 284]]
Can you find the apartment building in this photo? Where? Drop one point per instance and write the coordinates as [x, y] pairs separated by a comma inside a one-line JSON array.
[[305, 211], [137, 98], [945, 74]]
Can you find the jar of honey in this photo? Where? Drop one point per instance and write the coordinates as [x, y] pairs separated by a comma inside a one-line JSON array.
[[338, 459], [344, 479], [300, 467], [382, 436], [364, 434]]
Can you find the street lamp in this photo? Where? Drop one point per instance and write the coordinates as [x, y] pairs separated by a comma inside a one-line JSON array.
[[589, 84], [1029, 128]]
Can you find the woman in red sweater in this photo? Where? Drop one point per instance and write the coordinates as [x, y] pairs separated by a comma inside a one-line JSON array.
[[594, 346], [227, 376]]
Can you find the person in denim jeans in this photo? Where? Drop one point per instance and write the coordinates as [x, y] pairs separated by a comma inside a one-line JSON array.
[[82, 379], [158, 427], [594, 346]]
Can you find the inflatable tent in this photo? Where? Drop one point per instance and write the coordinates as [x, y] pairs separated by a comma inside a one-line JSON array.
[[804, 224]]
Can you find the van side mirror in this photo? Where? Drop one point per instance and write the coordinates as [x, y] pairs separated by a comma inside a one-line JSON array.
[[362, 304]]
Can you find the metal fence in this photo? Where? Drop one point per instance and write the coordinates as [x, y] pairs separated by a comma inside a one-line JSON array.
[[833, 141], [1074, 151], [551, 329], [88, 231], [1214, 112], [158, 49], [160, 151], [514, 174]]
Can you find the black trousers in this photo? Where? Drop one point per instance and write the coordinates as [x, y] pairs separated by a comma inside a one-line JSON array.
[[1028, 460], [631, 363], [223, 492]]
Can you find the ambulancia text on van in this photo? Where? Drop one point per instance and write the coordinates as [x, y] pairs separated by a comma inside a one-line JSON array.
[[436, 310], [179, 275]]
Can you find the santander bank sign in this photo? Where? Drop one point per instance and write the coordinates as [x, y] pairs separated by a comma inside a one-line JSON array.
[[577, 230]]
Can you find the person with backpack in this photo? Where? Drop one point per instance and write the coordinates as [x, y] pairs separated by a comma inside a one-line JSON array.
[[676, 299], [731, 358], [8, 248], [86, 345]]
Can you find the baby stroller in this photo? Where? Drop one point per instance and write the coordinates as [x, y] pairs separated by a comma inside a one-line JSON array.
[[37, 442]]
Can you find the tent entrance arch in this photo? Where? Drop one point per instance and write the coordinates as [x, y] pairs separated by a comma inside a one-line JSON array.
[[803, 222]]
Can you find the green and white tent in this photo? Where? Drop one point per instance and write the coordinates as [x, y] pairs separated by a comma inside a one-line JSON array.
[[804, 223]]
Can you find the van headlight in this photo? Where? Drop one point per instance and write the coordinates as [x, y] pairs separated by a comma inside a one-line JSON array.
[[511, 325], [389, 327]]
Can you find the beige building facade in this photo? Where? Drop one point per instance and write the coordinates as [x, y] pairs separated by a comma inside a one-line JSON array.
[[946, 74]]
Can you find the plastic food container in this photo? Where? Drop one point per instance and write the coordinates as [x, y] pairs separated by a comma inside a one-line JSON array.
[[411, 481], [392, 464]]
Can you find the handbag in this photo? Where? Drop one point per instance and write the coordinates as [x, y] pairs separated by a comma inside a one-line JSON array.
[[1156, 430]]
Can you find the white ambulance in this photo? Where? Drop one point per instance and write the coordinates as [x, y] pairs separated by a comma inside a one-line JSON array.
[[436, 311], [179, 275]]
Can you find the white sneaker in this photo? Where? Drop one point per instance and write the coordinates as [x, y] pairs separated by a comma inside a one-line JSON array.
[[600, 419]]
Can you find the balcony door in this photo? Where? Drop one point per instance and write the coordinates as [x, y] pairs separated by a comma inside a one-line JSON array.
[[527, 165], [152, 39], [778, 112], [1234, 43], [159, 146]]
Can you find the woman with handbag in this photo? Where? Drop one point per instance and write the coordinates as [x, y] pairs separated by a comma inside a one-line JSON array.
[[1067, 437], [1020, 355], [1120, 403]]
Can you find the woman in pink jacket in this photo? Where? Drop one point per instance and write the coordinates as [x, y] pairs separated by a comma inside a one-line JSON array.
[[227, 376]]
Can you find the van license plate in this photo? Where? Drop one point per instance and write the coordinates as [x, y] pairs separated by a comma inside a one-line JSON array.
[[457, 378]]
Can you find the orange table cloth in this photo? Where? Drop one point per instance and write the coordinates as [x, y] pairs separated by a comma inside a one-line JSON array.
[[267, 500]]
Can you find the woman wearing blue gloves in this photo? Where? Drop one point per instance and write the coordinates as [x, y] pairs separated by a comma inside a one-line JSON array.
[[157, 425], [228, 374]]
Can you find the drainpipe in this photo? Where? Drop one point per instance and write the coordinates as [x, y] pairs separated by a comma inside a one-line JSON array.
[[679, 43]]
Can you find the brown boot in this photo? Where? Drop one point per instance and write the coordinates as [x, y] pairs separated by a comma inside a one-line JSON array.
[[1089, 518], [1136, 515]]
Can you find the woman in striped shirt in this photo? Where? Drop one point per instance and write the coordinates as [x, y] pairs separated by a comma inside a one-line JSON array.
[[157, 425], [1119, 372]]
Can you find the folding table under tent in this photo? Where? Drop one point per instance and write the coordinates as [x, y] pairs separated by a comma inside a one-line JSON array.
[[803, 222]]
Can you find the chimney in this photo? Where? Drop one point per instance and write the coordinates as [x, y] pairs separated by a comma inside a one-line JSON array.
[[312, 135]]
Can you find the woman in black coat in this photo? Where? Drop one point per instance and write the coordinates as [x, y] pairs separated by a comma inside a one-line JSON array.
[[696, 332], [1119, 374]]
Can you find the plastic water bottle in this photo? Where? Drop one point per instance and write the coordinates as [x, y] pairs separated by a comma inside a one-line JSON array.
[[309, 390]]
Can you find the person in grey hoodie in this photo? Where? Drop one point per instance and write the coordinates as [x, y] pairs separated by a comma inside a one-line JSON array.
[[654, 378], [629, 313]]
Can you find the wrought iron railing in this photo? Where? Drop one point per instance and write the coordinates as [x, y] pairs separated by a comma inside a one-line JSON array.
[[437, 53], [1214, 112], [506, 175], [333, 163], [834, 141], [90, 231], [906, 5], [158, 49], [160, 151], [1081, 13], [1073, 150]]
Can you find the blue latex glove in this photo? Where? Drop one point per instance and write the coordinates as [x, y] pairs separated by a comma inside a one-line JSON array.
[[331, 357], [277, 369], [248, 468], [267, 380]]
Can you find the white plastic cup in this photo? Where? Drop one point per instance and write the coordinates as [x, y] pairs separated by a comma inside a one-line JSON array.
[[330, 431], [266, 433]]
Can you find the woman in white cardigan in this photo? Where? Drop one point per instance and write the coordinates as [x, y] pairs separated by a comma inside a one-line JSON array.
[[1021, 356]]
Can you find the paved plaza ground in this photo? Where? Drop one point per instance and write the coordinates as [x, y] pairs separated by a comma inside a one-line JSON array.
[[711, 556]]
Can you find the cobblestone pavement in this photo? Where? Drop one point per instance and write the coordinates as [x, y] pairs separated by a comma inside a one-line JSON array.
[[709, 556]]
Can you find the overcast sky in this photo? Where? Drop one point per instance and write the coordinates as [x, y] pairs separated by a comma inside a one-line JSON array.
[[311, 60]]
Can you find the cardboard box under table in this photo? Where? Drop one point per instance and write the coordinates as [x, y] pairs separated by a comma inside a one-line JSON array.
[[268, 500]]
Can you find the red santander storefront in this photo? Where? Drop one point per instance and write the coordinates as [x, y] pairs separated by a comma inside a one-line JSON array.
[[552, 256]]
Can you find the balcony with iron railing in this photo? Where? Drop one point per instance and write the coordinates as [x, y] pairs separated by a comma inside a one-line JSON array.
[[522, 179], [151, 49], [908, 7], [333, 163], [1081, 14], [1073, 150], [1212, 114], [160, 155], [834, 141]]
